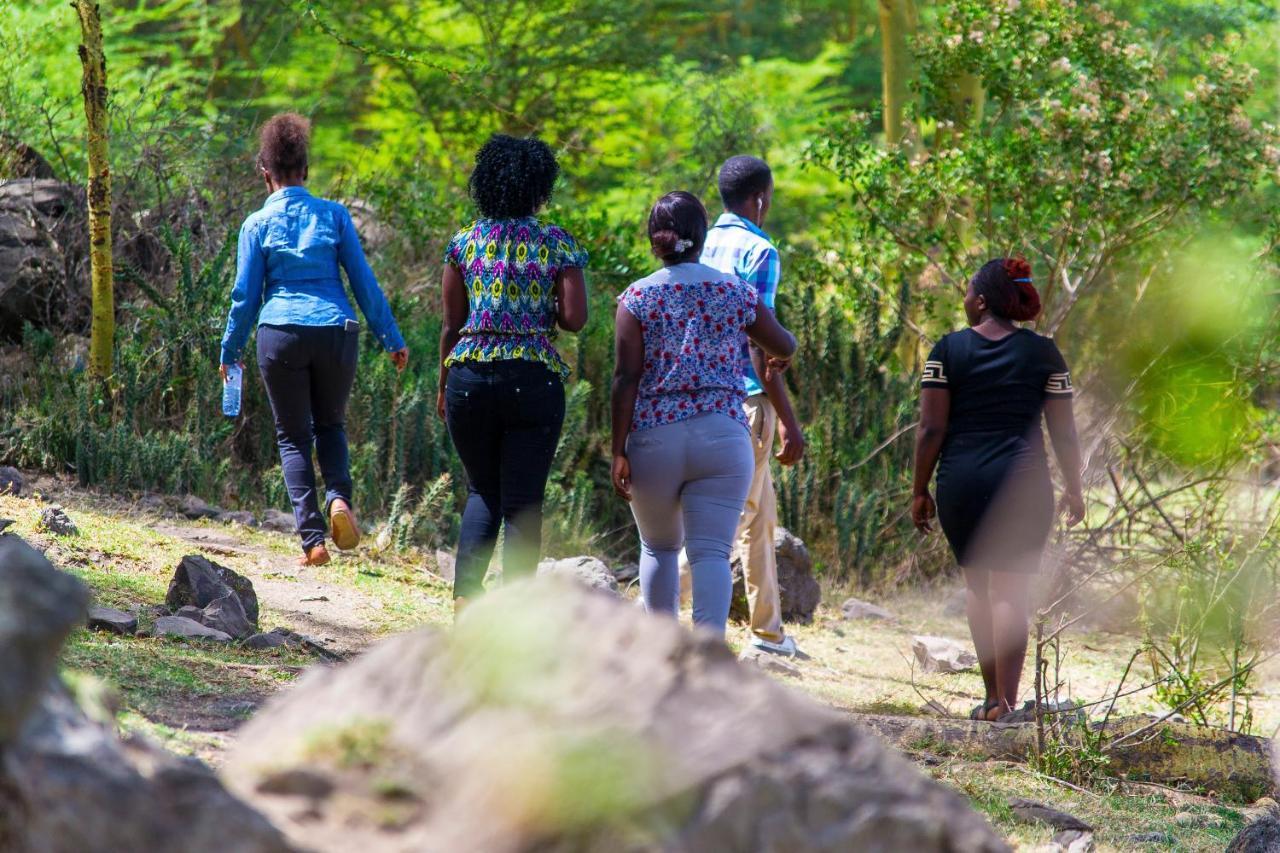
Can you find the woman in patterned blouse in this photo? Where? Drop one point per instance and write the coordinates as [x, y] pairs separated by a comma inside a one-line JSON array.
[[681, 449], [509, 282]]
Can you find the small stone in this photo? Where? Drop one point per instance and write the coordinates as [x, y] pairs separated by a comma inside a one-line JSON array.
[[195, 509], [939, 654], [245, 519], [769, 662], [152, 503], [857, 609], [1074, 841], [178, 626], [11, 481], [113, 621], [280, 522], [1150, 838], [298, 782], [1034, 812], [269, 640], [627, 573], [315, 598], [55, 520]]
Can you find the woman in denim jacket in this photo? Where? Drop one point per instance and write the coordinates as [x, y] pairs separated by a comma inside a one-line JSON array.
[[287, 281]]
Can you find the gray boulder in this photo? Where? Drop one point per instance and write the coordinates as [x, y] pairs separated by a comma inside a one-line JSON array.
[[245, 519], [199, 582], [67, 783], [11, 481], [43, 254], [55, 520], [584, 570], [187, 629], [112, 621], [565, 719], [798, 588], [39, 607]]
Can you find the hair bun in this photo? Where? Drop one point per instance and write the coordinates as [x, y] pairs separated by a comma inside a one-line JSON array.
[[664, 243], [1028, 298]]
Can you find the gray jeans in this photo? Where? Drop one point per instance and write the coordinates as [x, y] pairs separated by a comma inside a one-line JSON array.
[[689, 481]]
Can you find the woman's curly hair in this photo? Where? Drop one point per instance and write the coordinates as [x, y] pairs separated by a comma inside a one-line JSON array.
[[513, 177], [283, 144]]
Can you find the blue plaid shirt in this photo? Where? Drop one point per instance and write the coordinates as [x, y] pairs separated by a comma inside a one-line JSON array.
[[736, 246]]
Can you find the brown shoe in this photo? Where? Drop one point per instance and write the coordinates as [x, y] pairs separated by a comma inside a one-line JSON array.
[[316, 556], [342, 525]]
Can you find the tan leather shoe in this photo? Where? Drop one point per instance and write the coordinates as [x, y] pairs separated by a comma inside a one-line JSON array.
[[342, 525], [315, 556]]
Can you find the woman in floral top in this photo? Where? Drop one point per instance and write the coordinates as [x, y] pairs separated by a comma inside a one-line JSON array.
[[509, 282], [681, 450]]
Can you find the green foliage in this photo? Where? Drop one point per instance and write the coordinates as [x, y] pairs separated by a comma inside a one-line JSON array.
[[1074, 752]]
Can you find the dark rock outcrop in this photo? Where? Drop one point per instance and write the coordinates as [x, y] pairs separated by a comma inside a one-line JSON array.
[[797, 586], [556, 718], [199, 582], [67, 784], [44, 258]]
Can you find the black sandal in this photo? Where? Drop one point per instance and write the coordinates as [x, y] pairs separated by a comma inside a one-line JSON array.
[[979, 713]]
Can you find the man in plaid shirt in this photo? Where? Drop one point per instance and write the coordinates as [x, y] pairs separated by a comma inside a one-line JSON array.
[[737, 244]]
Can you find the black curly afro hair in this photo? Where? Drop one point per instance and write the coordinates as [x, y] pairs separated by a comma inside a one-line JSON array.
[[513, 177], [284, 143]]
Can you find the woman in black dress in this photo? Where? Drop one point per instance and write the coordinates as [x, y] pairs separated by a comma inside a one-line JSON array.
[[984, 390]]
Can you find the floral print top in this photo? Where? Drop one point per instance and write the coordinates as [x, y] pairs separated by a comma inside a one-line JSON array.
[[694, 320], [509, 267]]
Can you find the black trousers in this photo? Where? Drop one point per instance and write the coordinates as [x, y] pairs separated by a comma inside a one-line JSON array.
[[504, 418], [309, 371]]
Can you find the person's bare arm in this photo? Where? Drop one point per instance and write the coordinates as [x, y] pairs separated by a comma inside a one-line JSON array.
[[571, 301], [1060, 415], [454, 309], [773, 380], [935, 410], [627, 369]]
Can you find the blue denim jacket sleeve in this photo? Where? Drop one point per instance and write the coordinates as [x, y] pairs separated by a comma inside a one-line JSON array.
[[369, 296], [246, 296]]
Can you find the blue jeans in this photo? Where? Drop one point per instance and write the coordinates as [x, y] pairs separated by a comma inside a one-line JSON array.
[[504, 418], [689, 483], [309, 371]]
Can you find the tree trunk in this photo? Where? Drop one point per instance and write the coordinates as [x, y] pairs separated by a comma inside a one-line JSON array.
[[897, 23], [1233, 765], [94, 90]]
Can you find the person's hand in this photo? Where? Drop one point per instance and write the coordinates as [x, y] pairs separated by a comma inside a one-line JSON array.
[[923, 510], [440, 404], [775, 366], [400, 358], [1072, 507], [222, 370], [622, 477], [792, 438]]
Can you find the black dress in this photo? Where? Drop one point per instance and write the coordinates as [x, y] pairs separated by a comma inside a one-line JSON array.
[[995, 498]]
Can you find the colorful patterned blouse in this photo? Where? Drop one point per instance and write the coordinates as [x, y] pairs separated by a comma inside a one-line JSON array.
[[509, 267], [694, 320]]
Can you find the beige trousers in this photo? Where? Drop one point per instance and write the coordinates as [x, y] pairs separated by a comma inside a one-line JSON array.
[[756, 528]]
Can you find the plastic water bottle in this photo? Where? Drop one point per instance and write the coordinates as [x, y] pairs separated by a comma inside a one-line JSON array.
[[231, 391]]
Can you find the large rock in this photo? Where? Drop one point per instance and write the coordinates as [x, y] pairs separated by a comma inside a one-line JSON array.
[[39, 607], [227, 614], [67, 783], [280, 522], [11, 481], [587, 571], [555, 718], [55, 520], [113, 621], [199, 582], [43, 254], [855, 608], [797, 586]]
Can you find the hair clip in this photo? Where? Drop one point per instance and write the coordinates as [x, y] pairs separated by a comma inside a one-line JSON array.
[[684, 245], [1027, 280]]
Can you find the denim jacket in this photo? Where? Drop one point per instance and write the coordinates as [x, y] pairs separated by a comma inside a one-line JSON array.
[[287, 272]]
